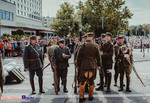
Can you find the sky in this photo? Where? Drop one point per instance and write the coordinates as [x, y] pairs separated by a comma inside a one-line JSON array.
[[140, 9]]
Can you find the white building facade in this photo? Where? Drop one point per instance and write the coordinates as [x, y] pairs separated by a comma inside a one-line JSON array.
[[27, 15], [47, 21]]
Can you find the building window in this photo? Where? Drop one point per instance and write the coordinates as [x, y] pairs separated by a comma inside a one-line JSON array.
[[24, 8], [18, 5], [11, 16], [18, 11], [21, 12], [24, 13], [21, 7], [5, 15]]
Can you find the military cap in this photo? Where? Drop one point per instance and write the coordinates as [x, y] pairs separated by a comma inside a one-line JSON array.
[[90, 34], [33, 38], [61, 41], [109, 34], [103, 35]]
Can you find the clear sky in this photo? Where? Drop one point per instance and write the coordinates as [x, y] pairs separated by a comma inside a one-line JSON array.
[[140, 9]]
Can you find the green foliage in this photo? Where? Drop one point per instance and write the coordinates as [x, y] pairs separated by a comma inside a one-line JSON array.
[[20, 32], [17, 37], [139, 30], [115, 15], [89, 14], [5, 35], [63, 23], [27, 35]]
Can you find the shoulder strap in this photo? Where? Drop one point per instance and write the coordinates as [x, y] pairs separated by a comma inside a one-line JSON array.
[[35, 50]]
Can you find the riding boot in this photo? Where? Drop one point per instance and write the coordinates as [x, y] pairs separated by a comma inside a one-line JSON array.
[[81, 93], [64, 84], [108, 83], [91, 89], [32, 86], [41, 85]]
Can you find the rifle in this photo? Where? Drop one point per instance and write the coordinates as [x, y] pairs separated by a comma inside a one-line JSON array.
[[47, 65], [76, 73], [135, 72], [55, 78], [75, 80]]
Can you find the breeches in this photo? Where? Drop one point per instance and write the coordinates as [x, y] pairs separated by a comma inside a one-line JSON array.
[[87, 75], [38, 72]]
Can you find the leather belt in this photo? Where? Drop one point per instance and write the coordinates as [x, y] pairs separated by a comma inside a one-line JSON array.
[[89, 58], [31, 60]]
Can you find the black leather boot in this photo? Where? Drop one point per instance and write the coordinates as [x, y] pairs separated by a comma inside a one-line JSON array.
[[32, 86], [64, 84], [121, 89], [41, 85], [128, 90]]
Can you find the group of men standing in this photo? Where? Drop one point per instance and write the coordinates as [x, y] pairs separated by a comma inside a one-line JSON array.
[[90, 57], [58, 57]]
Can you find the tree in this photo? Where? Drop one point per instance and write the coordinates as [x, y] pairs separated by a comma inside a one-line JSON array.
[[115, 15], [145, 29], [133, 30], [139, 30], [64, 21], [20, 32]]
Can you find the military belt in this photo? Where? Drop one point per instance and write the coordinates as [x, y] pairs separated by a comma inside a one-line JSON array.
[[31, 60], [89, 58]]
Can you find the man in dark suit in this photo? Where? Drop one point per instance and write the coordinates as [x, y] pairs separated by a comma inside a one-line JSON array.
[[33, 62]]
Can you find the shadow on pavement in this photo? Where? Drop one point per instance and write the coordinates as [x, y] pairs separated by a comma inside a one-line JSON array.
[[137, 99]]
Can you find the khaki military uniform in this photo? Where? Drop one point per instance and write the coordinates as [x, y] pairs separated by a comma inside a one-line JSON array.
[[88, 60], [50, 53], [75, 59], [116, 52], [101, 71], [2, 77], [124, 66], [107, 62], [76, 51]]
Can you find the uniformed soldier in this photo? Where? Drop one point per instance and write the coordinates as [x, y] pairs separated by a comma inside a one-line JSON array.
[[116, 51], [2, 77], [88, 60], [61, 55], [107, 53], [76, 53], [33, 62], [124, 66], [50, 50], [101, 71]]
